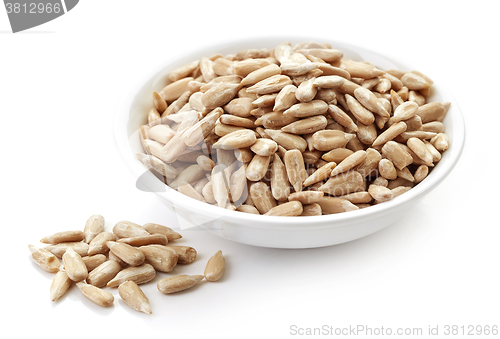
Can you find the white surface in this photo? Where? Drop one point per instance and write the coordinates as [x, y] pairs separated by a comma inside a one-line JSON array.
[[59, 86], [267, 231]]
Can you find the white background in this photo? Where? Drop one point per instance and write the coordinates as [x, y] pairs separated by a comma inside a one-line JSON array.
[[59, 86]]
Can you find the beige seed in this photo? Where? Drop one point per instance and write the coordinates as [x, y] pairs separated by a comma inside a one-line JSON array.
[[161, 133], [143, 240], [205, 163], [307, 109], [287, 209], [358, 197], [247, 209], [380, 193], [174, 90], [229, 119], [326, 54], [153, 228], [96, 295], [403, 137], [397, 154], [93, 227], [162, 258], [305, 126], [215, 267], [65, 236], [257, 168], [190, 175], [113, 257], [436, 156], [189, 191], [240, 107], [287, 140], [414, 81], [294, 69], [440, 142], [331, 205], [206, 68], [262, 197], [349, 163], [98, 244], [286, 98], [219, 185], [45, 259], [434, 111], [139, 274], [295, 169], [280, 187], [421, 173], [336, 155], [219, 95], [306, 90], [327, 140], [344, 183], [153, 117], [320, 174], [245, 67], [405, 174], [264, 147], [267, 100], [390, 133], [157, 165], [238, 183], [419, 148], [434, 126], [60, 284], [275, 120], [360, 69], [183, 71], [59, 249], [311, 210], [272, 84], [127, 229], [329, 81], [74, 265], [387, 170], [186, 254], [238, 139], [159, 103], [134, 297], [178, 283], [102, 274], [381, 181], [405, 111], [306, 197], [244, 155], [193, 135], [342, 118], [359, 111], [93, 261], [397, 191], [261, 74], [127, 253], [370, 101]]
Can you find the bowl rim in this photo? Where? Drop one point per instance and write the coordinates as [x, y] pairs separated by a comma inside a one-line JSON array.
[[121, 139]]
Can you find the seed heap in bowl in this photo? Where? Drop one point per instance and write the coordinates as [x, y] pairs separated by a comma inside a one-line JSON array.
[[294, 131], [127, 257]]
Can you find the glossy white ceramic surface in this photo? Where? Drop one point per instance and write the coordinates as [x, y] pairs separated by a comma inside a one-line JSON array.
[[266, 231]]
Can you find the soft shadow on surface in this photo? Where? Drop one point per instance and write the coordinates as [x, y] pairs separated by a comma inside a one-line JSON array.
[[28, 32]]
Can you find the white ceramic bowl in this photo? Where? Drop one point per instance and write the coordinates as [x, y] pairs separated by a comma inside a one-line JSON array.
[[268, 231]]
